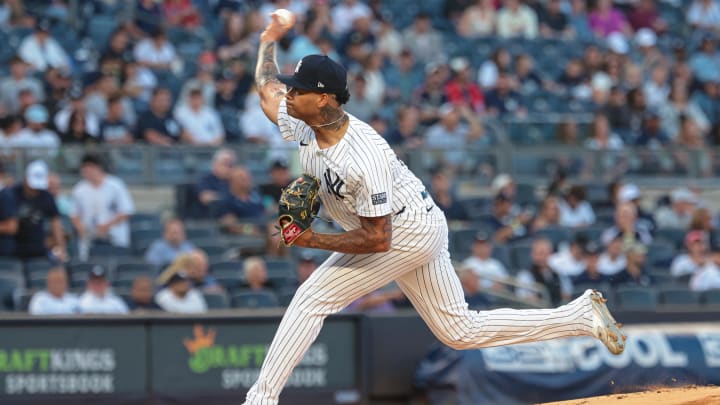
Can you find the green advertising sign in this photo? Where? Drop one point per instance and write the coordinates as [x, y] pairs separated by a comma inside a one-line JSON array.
[[214, 356], [67, 360]]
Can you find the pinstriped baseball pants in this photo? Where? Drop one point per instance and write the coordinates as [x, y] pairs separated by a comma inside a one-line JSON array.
[[426, 276]]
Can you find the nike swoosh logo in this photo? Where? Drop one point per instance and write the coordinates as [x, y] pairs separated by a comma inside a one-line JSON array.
[[304, 144]]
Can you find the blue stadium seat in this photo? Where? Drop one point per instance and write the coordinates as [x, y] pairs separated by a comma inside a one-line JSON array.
[[9, 265], [676, 236], [228, 273], [145, 220], [10, 286], [711, 297], [637, 298], [660, 254], [216, 300], [99, 29], [280, 267], [255, 299], [102, 249], [134, 266], [556, 234], [285, 295], [520, 253], [679, 296]]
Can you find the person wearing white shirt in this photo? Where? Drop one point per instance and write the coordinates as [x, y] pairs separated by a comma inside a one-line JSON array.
[[345, 13], [156, 52], [569, 261], [77, 102], [201, 122], [516, 20], [704, 14], [706, 278], [490, 270], [102, 205], [42, 51], [695, 259], [180, 297], [612, 261], [98, 298], [575, 211], [35, 135], [55, 299]]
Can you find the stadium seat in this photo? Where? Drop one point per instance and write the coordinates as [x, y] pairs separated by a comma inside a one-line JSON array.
[[99, 29], [37, 270], [637, 298], [142, 238], [676, 236], [255, 299], [593, 232], [520, 253], [660, 254], [556, 234], [10, 286], [145, 220], [711, 297], [228, 273], [103, 249], [10, 266], [216, 300], [679, 296], [280, 267], [134, 266], [285, 295], [24, 300]]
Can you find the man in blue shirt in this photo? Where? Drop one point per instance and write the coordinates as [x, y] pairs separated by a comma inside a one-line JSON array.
[[164, 250], [242, 203], [214, 185]]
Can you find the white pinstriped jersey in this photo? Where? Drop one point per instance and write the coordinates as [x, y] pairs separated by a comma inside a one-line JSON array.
[[361, 175]]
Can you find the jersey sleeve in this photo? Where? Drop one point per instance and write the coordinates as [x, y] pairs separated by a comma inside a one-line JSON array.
[[291, 129], [374, 193]]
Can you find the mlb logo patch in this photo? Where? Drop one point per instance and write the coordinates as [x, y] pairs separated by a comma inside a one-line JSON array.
[[379, 198]]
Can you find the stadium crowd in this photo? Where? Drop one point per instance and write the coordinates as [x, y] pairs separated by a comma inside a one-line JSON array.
[[427, 75]]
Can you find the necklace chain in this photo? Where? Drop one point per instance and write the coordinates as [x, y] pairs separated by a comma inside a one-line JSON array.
[[329, 123]]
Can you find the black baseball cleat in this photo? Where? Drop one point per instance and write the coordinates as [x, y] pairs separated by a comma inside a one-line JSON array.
[[605, 328]]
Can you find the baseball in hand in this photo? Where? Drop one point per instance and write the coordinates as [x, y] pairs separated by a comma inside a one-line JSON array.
[[285, 17]]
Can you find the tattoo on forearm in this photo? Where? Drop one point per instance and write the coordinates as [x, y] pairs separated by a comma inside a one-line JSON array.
[[266, 70], [367, 239]]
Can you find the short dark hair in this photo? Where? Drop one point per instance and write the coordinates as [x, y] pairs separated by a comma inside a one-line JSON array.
[[92, 159], [342, 97]]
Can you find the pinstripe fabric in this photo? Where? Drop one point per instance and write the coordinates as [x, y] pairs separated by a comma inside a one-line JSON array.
[[355, 173], [427, 277]]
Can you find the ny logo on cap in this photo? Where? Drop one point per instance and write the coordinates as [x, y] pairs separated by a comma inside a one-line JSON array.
[[297, 67]]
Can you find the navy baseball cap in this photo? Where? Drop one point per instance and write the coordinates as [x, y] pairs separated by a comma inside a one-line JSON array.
[[317, 73]]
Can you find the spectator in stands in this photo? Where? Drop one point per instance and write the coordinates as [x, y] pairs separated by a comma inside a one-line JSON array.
[[606, 19], [195, 264], [147, 16], [472, 288], [403, 77], [707, 277], [55, 299], [255, 274], [554, 22], [42, 51], [612, 260], [102, 205], [422, 39], [653, 136], [540, 272], [99, 93], [118, 48], [569, 261], [10, 127], [346, 12], [141, 295], [461, 91], [478, 20], [708, 99], [430, 96], [19, 79], [179, 296], [678, 215], [506, 224], [503, 100], [685, 265], [236, 39], [704, 15], [634, 274], [214, 185], [77, 103], [443, 193], [601, 136], [200, 123], [8, 216], [204, 80], [357, 44], [691, 149], [657, 89], [491, 271], [360, 105], [631, 193], [389, 40], [379, 301], [516, 20], [98, 298], [242, 202], [458, 128], [575, 210], [279, 179], [306, 266], [182, 14], [34, 205], [489, 71], [573, 80], [548, 216], [113, 129], [578, 20], [591, 259], [36, 135], [157, 126], [138, 84], [645, 15], [227, 94], [407, 132], [256, 127], [678, 106], [163, 251], [705, 64], [77, 131], [156, 52], [627, 227], [702, 220], [528, 81]]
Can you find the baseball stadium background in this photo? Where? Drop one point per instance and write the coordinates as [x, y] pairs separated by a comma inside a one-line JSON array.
[[514, 113]]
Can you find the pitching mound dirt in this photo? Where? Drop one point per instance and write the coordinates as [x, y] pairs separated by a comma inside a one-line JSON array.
[[659, 396]]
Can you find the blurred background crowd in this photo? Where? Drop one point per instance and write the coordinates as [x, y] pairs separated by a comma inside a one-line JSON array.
[[97, 94]]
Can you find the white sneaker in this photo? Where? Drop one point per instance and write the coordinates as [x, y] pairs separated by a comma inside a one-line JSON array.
[[605, 328]]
